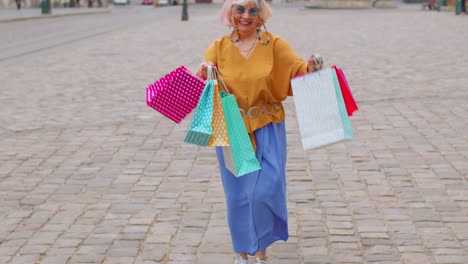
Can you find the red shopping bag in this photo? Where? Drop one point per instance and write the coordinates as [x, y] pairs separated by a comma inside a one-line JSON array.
[[350, 104]]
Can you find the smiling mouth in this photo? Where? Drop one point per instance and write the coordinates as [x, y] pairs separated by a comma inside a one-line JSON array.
[[245, 22]]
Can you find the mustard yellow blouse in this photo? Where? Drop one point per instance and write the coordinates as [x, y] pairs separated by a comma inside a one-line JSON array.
[[261, 81]]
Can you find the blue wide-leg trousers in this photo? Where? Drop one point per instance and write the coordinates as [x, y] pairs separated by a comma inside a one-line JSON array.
[[256, 202]]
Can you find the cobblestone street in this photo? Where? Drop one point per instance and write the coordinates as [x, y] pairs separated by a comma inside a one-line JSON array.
[[90, 174]]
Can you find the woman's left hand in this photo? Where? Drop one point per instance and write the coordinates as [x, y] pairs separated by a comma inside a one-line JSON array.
[[315, 62]]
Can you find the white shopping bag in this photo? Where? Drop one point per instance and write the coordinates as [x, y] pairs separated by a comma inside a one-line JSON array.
[[317, 102]]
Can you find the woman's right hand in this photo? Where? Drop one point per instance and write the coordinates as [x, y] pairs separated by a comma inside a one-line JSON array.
[[203, 69], [315, 63]]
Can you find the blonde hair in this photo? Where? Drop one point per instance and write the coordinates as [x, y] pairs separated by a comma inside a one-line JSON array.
[[226, 10]]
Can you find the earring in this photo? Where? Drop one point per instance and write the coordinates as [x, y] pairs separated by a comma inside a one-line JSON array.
[[259, 35], [235, 35]]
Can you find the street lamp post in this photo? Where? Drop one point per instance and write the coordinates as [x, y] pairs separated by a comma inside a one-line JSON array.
[[184, 11]]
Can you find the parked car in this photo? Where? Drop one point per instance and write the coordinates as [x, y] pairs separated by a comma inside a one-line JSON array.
[[146, 2], [121, 2]]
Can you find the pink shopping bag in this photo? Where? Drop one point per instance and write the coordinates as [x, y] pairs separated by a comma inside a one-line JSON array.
[[176, 94]]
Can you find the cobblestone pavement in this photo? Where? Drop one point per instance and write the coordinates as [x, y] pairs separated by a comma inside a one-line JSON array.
[[90, 174]]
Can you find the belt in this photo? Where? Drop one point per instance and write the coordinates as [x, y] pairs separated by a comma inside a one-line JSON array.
[[256, 111]]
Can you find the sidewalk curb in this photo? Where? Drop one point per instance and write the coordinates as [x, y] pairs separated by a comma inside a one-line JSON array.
[[9, 20]]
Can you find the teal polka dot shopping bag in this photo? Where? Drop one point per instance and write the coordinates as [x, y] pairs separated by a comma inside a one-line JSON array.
[[200, 129], [239, 157]]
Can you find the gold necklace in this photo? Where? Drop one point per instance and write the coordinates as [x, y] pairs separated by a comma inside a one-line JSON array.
[[249, 49]]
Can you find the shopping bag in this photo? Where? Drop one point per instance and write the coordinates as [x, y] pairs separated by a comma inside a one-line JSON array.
[[219, 135], [239, 157], [200, 129], [347, 130], [176, 94], [349, 101], [316, 97]]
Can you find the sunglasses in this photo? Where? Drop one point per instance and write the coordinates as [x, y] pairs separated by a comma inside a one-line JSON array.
[[253, 12]]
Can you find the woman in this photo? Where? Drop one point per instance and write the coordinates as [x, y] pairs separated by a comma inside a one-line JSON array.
[[257, 68]]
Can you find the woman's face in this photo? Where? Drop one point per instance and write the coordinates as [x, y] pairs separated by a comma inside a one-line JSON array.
[[246, 17]]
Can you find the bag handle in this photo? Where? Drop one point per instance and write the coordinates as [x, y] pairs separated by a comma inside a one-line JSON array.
[[216, 73], [210, 72]]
